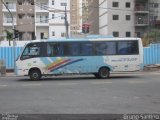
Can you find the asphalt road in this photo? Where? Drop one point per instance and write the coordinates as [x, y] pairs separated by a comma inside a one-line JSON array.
[[122, 93]]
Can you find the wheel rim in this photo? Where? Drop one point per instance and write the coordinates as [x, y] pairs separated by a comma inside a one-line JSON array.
[[104, 73], [35, 75]]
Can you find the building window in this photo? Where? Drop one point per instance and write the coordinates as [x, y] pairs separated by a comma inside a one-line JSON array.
[[52, 16], [138, 34], [32, 2], [62, 17], [53, 33], [128, 17], [62, 34], [128, 4], [63, 4], [42, 35], [20, 3], [115, 4], [115, 17], [154, 5], [52, 2], [116, 34], [128, 34]]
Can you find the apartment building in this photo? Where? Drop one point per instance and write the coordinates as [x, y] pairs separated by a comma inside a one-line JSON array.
[[116, 18], [93, 16], [42, 19], [5, 18], [57, 18], [75, 17], [24, 18], [154, 7], [35, 19], [1, 21], [85, 12], [127, 18]]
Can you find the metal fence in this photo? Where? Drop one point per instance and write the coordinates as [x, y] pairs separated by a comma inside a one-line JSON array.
[[6, 55], [151, 55]]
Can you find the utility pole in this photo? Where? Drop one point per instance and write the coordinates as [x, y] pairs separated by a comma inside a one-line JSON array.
[[14, 51], [66, 22]]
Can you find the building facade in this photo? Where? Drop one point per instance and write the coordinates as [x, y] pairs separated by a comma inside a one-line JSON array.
[[41, 19], [57, 26], [127, 18], [75, 17], [116, 18], [93, 16], [1, 22]]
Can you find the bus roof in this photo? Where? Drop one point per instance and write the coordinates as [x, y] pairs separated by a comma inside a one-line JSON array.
[[84, 39]]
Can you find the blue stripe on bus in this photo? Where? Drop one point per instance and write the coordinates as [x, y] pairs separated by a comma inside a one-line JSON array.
[[45, 61]]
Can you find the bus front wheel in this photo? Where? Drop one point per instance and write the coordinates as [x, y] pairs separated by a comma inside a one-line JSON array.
[[103, 72], [35, 74]]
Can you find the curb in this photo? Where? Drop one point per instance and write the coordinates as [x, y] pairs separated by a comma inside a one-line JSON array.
[[152, 67]]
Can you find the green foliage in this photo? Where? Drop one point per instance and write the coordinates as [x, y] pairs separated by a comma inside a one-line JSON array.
[[9, 36], [152, 37]]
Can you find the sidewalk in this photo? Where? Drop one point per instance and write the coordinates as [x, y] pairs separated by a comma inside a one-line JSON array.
[[153, 67], [8, 74]]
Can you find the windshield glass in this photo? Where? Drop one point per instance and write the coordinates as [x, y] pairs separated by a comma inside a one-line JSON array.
[[31, 50]]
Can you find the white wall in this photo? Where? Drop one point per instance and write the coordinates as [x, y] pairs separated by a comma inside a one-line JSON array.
[[40, 30], [18, 43], [108, 26], [58, 30], [57, 24]]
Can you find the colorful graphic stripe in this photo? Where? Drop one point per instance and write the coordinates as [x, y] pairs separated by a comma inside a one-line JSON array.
[[67, 63], [59, 63], [54, 63]]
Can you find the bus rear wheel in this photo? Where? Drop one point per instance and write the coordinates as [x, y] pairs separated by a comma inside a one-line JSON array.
[[103, 72], [35, 74]]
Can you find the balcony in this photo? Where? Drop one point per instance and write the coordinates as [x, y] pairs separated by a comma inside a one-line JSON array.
[[11, 7], [157, 23], [8, 21], [141, 9], [141, 21], [42, 22], [41, 7]]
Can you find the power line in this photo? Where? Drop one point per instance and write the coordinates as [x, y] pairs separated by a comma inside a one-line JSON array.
[[35, 22], [39, 21], [63, 13]]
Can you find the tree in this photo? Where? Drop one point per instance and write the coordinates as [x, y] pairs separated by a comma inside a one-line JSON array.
[[9, 36], [152, 37]]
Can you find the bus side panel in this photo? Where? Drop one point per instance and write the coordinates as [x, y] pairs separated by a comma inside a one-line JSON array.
[[61, 65], [23, 66], [124, 63]]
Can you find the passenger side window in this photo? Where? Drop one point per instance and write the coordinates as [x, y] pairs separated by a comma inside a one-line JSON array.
[[54, 49], [87, 49], [128, 47], [75, 48], [105, 48]]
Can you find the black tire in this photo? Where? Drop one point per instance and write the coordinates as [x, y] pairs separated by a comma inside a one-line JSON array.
[[35, 75], [104, 73], [96, 75]]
